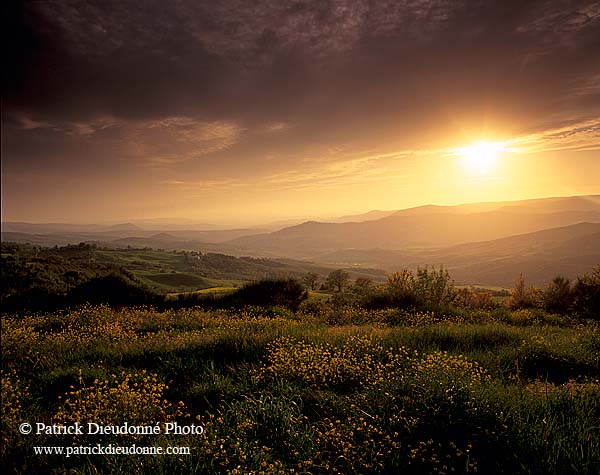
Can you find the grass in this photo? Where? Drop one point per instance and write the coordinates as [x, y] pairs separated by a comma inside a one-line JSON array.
[[211, 290], [165, 271], [177, 279], [315, 295], [142, 259], [284, 392]]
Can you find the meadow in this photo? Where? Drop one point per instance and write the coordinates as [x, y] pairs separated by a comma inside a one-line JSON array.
[[339, 390]]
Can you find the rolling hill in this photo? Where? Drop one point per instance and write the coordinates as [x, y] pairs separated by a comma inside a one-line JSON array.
[[568, 251], [480, 243], [425, 227]]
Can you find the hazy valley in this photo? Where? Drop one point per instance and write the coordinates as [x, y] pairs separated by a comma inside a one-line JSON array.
[[480, 243]]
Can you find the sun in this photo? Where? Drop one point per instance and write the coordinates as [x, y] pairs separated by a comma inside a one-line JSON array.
[[481, 157]]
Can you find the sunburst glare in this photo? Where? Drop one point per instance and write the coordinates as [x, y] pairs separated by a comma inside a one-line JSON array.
[[481, 157]]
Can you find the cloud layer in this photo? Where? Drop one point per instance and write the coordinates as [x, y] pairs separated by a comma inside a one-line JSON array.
[[215, 91]]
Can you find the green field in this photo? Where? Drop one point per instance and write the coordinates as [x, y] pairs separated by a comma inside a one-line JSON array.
[[379, 392], [150, 266], [161, 270], [59, 270], [175, 280], [316, 296], [142, 259], [214, 291]]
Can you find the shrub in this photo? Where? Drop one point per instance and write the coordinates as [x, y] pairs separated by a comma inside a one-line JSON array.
[[385, 299], [401, 282], [557, 296], [429, 289], [288, 293], [112, 289], [396, 294], [433, 288], [311, 307], [586, 294], [522, 296], [280, 292], [471, 298], [362, 285], [34, 299]]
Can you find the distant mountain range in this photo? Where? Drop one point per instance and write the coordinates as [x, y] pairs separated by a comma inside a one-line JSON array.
[[122, 234], [370, 216], [480, 243], [540, 256], [425, 227]]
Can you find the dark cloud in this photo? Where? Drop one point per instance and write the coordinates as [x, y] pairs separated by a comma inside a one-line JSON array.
[[394, 72], [132, 58]]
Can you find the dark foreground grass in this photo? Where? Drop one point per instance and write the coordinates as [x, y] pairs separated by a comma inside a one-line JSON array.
[[278, 392]]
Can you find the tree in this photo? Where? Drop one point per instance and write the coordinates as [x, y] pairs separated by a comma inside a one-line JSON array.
[[398, 293], [362, 285], [400, 283], [522, 296], [557, 296], [310, 280], [338, 279], [433, 288]]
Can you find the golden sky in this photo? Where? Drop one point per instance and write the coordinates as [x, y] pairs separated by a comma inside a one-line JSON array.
[[249, 112]]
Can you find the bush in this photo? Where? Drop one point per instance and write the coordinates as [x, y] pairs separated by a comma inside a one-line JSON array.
[[112, 289], [385, 299], [557, 296], [522, 296], [474, 299], [430, 289], [586, 295], [33, 299], [287, 293], [433, 288]]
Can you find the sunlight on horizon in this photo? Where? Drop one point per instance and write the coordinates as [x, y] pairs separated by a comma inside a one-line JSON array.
[[481, 157]]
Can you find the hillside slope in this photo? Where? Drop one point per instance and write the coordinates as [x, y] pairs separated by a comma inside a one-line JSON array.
[[426, 227], [540, 256]]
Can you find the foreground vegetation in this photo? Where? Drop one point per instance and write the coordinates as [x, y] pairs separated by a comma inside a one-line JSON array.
[[331, 375], [337, 389]]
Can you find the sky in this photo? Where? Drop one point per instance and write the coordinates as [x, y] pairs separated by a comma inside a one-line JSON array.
[[252, 111]]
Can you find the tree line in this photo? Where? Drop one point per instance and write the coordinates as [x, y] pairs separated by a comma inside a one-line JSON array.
[[431, 288], [43, 279]]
